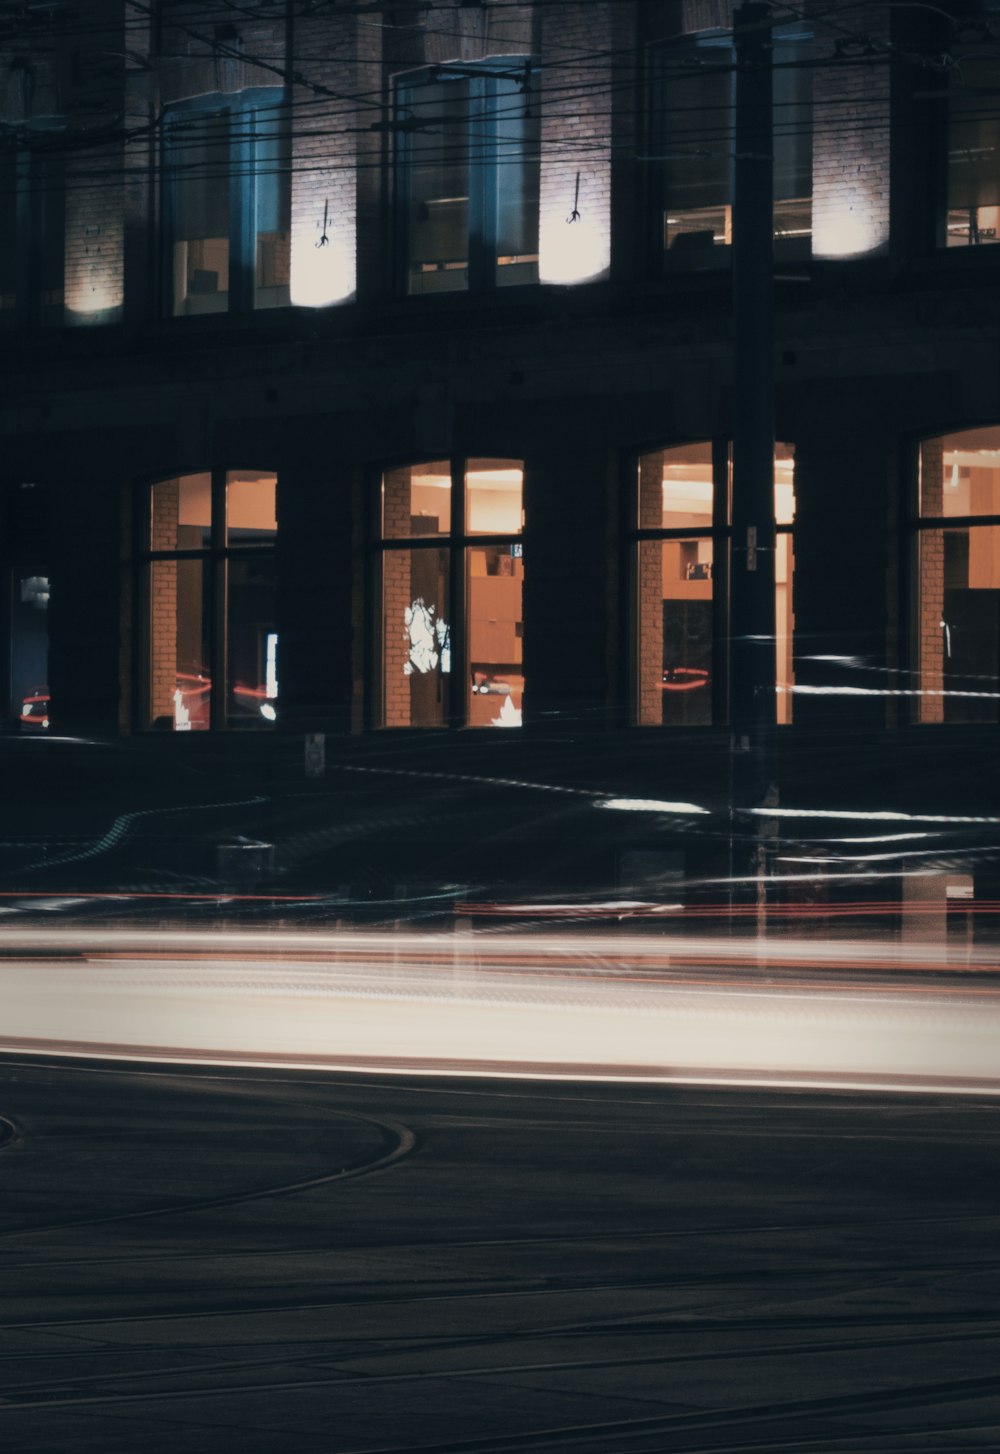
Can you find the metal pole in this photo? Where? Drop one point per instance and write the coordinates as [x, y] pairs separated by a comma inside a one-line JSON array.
[[752, 629]]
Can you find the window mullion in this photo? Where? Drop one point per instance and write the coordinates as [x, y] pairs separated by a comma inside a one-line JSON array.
[[241, 210], [217, 566], [458, 686], [482, 202]]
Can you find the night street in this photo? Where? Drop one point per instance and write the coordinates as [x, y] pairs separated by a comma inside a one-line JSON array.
[[272, 1261]]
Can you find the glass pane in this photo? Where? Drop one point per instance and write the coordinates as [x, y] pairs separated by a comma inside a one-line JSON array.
[[181, 513], [792, 110], [516, 181], [416, 500], [29, 653], [272, 203], [675, 488], [974, 151], [250, 507], [251, 642], [494, 494], [696, 143], [495, 585], [437, 184], [960, 473], [200, 186], [48, 239], [784, 483], [784, 570], [416, 638], [675, 632], [959, 624], [180, 686]]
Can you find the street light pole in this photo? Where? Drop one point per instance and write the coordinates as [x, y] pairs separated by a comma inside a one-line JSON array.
[[752, 605]]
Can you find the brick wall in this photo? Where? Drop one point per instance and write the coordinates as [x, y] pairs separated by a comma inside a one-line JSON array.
[[576, 94], [851, 146]]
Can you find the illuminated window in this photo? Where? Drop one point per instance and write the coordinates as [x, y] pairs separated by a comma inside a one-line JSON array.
[[32, 233], [693, 116], [451, 574], [227, 204], [680, 559], [958, 574], [467, 178], [973, 169], [205, 558]]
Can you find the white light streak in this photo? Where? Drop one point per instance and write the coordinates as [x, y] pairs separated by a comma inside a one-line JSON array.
[[883, 815], [649, 805]]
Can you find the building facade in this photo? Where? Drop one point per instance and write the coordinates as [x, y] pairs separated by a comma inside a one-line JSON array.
[[367, 417]]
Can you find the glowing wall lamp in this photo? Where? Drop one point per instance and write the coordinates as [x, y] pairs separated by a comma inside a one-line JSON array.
[[323, 267], [856, 225], [574, 246]]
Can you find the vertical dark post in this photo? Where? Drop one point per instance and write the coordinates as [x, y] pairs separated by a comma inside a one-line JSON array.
[[752, 630]]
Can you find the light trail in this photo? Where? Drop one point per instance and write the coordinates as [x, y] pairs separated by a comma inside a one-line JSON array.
[[626, 1006]]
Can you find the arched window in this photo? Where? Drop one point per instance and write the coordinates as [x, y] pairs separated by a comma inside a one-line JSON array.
[[958, 577], [207, 638], [450, 577], [680, 560]]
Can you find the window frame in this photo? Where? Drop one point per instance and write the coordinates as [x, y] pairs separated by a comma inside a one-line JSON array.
[[670, 53], [241, 109], [39, 172], [455, 544], [720, 533], [916, 525], [215, 558], [481, 233]]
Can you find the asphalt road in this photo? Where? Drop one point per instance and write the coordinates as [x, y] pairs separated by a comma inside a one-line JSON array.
[[271, 1261]]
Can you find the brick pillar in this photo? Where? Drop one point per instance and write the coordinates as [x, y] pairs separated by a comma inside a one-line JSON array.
[[94, 288], [650, 593], [930, 574], [163, 602], [575, 141], [851, 151], [95, 234], [324, 161], [396, 598]]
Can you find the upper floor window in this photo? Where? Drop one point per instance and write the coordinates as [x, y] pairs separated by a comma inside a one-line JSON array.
[[206, 591], [32, 233], [227, 204], [451, 572], [467, 168], [680, 563], [958, 578], [693, 144], [973, 165]]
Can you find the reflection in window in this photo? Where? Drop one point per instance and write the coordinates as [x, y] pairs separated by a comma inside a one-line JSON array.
[[681, 554], [432, 575], [973, 183], [694, 123], [467, 178], [227, 206], [958, 568], [29, 652], [209, 598], [32, 235]]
